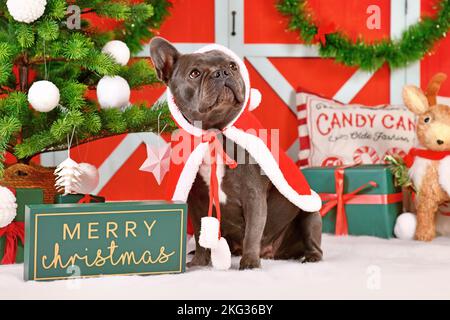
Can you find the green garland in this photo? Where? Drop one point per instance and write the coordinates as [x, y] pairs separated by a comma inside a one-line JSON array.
[[413, 45]]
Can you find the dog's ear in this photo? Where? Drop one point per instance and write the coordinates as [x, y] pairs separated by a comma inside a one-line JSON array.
[[164, 56]]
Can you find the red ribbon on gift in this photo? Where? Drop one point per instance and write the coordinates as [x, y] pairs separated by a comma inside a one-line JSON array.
[[13, 232], [339, 200], [86, 199]]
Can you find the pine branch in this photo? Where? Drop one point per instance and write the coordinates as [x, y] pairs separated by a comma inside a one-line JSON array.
[[400, 172], [73, 61]]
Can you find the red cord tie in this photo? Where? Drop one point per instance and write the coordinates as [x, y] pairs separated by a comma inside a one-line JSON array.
[[216, 149], [13, 232]]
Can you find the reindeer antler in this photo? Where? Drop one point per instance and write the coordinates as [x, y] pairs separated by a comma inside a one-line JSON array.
[[434, 86]]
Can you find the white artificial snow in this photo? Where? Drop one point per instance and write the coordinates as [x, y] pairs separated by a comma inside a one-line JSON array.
[[353, 267]]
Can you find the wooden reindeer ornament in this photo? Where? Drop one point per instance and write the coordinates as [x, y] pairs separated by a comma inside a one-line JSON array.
[[429, 166]]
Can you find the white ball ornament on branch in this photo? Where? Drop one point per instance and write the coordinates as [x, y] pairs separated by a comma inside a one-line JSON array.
[[43, 96], [88, 180], [26, 10], [118, 50], [113, 92], [8, 207], [67, 176]]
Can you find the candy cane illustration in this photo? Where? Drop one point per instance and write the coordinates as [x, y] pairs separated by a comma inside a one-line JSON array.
[[332, 162], [371, 152], [395, 152]]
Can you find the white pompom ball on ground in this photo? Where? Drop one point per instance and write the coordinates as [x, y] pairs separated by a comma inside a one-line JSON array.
[[43, 96], [89, 179], [113, 92], [221, 255], [405, 226], [26, 10], [8, 207], [118, 50]]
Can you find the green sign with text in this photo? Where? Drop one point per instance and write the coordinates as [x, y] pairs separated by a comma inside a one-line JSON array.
[[116, 238]]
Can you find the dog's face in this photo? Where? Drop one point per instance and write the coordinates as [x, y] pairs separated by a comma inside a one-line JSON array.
[[208, 87]]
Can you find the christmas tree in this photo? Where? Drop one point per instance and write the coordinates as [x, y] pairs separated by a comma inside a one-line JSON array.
[[52, 54]]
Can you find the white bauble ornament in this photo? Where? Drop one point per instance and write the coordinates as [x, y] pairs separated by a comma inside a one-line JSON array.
[[67, 176], [118, 50], [8, 207], [43, 96], [26, 10], [88, 179], [113, 92], [405, 226]]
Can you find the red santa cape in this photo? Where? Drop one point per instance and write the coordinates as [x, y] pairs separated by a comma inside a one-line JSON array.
[[246, 131]]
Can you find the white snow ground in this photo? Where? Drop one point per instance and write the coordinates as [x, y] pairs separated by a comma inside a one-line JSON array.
[[353, 267]]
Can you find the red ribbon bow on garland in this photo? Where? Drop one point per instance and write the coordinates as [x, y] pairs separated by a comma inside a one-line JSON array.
[[323, 31], [215, 150], [339, 200], [13, 232]]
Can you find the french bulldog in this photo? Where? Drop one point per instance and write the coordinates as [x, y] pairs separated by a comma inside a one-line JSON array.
[[257, 221]]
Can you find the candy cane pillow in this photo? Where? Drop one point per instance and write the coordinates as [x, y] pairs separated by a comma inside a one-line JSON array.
[[331, 133]]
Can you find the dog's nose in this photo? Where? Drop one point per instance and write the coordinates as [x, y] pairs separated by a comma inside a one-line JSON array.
[[221, 74], [440, 142]]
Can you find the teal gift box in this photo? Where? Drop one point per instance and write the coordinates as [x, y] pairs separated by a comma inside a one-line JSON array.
[[24, 197], [369, 200], [78, 198], [114, 238]]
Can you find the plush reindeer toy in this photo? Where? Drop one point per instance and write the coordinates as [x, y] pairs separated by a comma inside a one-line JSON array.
[[429, 165]]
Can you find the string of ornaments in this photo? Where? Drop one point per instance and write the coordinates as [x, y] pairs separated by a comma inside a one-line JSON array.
[[114, 91]]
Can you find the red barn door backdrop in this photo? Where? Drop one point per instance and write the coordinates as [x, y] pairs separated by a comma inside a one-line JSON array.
[[278, 64]]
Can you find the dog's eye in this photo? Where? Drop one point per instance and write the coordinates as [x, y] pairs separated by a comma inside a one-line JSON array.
[[194, 74], [427, 119], [233, 66]]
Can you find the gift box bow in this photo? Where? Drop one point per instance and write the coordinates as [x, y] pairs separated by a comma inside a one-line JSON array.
[[87, 198], [339, 199]]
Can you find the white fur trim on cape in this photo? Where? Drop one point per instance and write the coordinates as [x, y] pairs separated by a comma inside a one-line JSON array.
[[444, 174], [418, 170], [189, 173], [221, 255], [261, 153]]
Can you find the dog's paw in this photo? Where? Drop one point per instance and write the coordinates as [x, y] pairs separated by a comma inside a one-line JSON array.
[[312, 257], [425, 236], [248, 262], [199, 261]]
